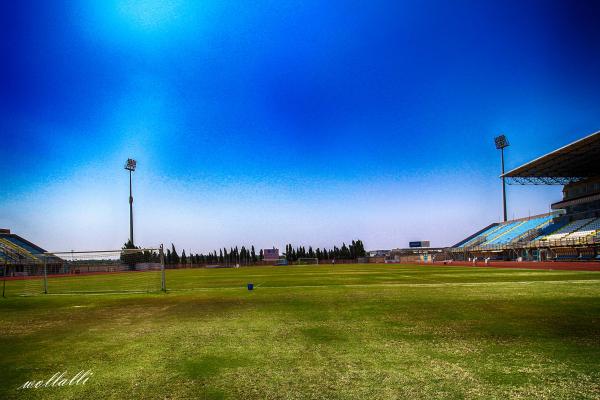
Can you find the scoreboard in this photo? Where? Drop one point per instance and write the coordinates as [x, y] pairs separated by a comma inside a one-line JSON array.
[[421, 243], [271, 254]]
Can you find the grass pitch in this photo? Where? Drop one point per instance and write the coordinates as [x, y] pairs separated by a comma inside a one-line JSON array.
[[335, 332]]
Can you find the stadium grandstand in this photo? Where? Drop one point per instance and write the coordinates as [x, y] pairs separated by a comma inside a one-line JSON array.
[[570, 232], [19, 257]]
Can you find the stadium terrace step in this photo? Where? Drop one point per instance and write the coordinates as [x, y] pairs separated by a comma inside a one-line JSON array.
[[23, 244], [509, 232], [587, 230], [19, 250], [549, 229], [476, 236], [532, 233], [507, 227], [8, 255], [566, 230], [482, 237], [521, 229]]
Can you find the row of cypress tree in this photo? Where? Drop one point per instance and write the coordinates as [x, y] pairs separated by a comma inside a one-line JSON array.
[[234, 255], [355, 250], [247, 256]]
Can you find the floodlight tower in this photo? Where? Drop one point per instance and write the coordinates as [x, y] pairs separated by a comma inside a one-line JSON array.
[[501, 143], [130, 166]]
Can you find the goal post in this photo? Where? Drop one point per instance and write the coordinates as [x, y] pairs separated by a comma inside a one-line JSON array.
[[80, 272], [163, 279]]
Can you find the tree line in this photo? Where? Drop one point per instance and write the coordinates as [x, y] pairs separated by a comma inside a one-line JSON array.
[[351, 252], [234, 255], [245, 255]]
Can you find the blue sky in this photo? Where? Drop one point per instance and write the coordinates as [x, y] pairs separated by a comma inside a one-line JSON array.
[[275, 121]]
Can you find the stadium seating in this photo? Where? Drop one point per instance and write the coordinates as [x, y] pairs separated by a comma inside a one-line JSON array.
[[568, 230], [481, 237], [586, 230], [565, 240], [16, 250], [507, 232], [504, 228], [22, 253], [22, 244], [519, 229], [550, 228], [7, 254]]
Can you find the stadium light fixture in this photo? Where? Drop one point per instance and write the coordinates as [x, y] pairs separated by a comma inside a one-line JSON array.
[[130, 166], [502, 143]]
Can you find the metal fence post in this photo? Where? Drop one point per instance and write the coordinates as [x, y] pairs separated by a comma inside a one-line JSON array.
[[45, 274], [163, 283]]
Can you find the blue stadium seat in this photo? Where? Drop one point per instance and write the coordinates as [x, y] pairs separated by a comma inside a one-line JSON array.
[[505, 228], [519, 229], [553, 227], [481, 235], [22, 244]]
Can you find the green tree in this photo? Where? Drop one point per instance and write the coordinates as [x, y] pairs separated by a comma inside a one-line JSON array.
[[183, 257], [174, 256], [360, 249], [130, 258]]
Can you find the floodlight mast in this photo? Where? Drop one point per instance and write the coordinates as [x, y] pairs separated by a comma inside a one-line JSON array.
[[501, 143], [130, 166]]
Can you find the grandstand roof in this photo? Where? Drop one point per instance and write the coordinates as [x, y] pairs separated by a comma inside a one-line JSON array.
[[570, 163]]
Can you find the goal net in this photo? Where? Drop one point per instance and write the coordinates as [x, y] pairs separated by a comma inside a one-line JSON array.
[[103, 271]]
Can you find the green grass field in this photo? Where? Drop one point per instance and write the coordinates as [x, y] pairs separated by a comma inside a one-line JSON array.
[[335, 332]]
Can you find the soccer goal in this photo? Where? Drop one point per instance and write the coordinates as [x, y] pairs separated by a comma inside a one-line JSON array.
[[80, 272], [305, 261]]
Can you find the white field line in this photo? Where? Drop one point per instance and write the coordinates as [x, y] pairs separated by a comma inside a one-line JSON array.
[[423, 279], [91, 293], [441, 284], [455, 271]]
